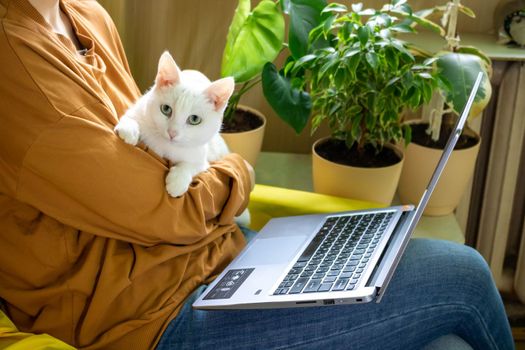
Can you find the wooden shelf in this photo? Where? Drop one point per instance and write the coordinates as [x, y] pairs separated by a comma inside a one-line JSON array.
[[485, 42]]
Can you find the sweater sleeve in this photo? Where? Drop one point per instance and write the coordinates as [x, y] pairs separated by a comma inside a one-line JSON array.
[[86, 177]]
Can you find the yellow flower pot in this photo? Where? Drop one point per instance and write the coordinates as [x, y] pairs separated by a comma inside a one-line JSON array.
[[368, 184], [247, 143], [420, 162]]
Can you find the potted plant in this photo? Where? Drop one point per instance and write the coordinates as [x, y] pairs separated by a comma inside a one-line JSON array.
[[360, 78], [458, 67], [255, 37]]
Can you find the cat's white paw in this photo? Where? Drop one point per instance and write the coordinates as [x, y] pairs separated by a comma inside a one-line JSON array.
[[177, 182], [128, 130]]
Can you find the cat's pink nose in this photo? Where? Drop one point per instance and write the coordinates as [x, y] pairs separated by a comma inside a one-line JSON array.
[[172, 134]]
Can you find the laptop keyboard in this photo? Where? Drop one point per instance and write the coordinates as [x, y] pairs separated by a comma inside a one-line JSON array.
[[337, 256]]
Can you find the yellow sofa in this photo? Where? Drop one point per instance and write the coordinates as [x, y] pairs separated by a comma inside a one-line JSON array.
[[12, 339], [268, 202]]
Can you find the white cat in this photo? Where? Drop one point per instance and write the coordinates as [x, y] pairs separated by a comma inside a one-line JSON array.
[[179, 119]]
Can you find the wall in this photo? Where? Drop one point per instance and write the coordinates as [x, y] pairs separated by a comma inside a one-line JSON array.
[[195, 31]]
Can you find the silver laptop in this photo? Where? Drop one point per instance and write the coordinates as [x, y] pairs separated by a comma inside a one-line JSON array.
[[327, 259]]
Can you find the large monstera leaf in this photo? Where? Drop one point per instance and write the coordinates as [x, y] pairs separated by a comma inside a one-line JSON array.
[[254, 38], [461, 70], [291, 104], [304, 16]]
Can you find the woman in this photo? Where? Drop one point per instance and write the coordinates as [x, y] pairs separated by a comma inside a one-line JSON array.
[[94, 252]]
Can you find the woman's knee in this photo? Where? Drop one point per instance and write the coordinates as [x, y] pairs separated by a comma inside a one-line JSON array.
[[447, 265]]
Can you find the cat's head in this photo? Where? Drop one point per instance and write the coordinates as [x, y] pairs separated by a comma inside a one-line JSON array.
[[187, 108]]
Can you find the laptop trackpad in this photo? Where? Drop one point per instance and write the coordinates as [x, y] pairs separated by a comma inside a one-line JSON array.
[[276, 250]]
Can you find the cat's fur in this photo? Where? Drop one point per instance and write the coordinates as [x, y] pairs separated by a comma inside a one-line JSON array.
[[190, 97]]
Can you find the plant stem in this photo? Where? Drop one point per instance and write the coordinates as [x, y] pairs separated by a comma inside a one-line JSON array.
[[246, 86], [452, 39], [236, 97], [435, 112]]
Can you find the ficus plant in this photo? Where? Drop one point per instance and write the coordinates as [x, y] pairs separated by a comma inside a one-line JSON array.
[[357, 73], [257, 36]]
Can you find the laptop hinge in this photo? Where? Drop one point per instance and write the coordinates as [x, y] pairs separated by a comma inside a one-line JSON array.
[[391, 254]]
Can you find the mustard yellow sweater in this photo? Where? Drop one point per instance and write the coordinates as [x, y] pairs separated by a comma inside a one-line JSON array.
[[92, 249]]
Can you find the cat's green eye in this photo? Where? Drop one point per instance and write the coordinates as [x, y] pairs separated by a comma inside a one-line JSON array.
[[194, 120], [166, 110]]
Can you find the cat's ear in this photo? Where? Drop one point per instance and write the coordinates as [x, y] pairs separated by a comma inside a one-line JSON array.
[[220, 91], [168, 72]]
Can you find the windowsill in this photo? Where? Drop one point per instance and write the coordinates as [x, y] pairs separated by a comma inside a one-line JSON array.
[[487, 43]]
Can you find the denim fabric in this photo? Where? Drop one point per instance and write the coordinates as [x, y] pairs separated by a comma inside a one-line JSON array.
[[439, 289]]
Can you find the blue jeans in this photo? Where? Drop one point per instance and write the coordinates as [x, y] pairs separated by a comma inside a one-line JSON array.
[[441, 293]]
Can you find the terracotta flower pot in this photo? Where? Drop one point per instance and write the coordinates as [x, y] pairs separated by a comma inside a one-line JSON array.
[[420, 162], [369, 184], [247, 143]]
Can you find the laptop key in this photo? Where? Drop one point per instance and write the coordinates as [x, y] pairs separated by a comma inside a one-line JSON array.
[[291, 277], [307, 273], [299, 285], [340, 284], [312, 286], [299, 264], [349, 269], [325, 287]]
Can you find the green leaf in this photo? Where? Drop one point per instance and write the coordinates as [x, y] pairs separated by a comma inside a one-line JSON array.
[[353, 63], [241, 13], [356, 127], [363, 34], [351, 53], [367, 12], [425, 12], [475, 51], [466, 10], [399, 45], [327, 26], [392, 59], [292, 105], [372, 59], [316, 122], [461, 71], [334, 7], [329, 64], [405, 8], [369, 121], [402, 28], [357, 7], [427, 24], [301, 61], [305, 15], [252, 41], [427, 92], [397, 3]]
